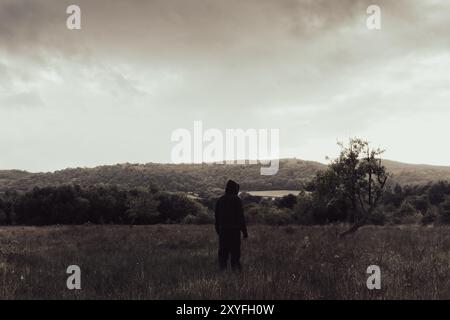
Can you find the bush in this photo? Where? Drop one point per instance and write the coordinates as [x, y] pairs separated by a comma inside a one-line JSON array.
[[416, 218], [203, 217], [287, 202], [420, 203], [279, 217], [406, 209], [444, 209], [3, 218], [378, 217], [430, 216], [175, 207], [142, 207], [303, 211], [253, 213], [189, 219]]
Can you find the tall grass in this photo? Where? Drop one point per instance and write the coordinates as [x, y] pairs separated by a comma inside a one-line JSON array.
[[179, 262]]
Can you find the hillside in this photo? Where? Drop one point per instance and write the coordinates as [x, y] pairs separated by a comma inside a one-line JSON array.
[[293, 174], [405, 173]]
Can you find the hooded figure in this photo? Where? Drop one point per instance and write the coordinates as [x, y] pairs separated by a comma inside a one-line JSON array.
[[230, 223]]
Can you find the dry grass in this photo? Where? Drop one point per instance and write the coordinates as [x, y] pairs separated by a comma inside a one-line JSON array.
[[179, 262]]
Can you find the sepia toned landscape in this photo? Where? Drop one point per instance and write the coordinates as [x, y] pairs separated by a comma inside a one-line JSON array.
[[224, 150]]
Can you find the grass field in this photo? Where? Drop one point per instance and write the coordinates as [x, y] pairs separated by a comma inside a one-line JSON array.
[[179, 262]]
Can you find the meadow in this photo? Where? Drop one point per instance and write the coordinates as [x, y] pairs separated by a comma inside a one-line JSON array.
[[179, 262]]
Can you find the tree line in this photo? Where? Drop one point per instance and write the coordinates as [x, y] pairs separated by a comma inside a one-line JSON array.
[[426, 204], [72, 204], [355, 188]]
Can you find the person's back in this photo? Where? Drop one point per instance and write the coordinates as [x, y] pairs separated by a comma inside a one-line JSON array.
[[230, 223]]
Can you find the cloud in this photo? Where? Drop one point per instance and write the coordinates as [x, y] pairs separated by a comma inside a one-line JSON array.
[[139, 69]]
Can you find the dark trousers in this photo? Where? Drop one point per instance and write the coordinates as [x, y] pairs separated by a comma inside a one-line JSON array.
[[230, 245]]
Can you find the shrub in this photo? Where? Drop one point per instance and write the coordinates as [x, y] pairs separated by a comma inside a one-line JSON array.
[[142, 207], [444, 209], [175, 207], [275, 216], [288, 202], [303, 211], [378, 217], [203, 217], [430, 216]]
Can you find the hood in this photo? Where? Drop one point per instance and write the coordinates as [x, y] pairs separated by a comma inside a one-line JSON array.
[[232, 188]]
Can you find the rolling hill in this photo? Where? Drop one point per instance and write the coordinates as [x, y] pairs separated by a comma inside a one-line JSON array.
[[293, 174]]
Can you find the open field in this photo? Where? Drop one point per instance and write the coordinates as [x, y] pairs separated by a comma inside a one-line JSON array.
[[178, 261]]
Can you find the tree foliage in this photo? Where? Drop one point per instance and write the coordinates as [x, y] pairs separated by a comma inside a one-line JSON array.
[[101, 205], [353, 183]]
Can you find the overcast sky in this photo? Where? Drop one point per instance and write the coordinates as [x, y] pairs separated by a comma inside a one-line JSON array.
[[115, 90]]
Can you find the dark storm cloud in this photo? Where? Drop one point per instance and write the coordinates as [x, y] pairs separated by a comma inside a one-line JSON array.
[[180, 27]]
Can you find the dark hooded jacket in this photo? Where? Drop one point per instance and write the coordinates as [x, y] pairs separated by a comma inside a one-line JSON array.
[[229, 211]]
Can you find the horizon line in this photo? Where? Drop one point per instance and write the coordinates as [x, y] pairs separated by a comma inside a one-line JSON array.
[[203, 163]]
